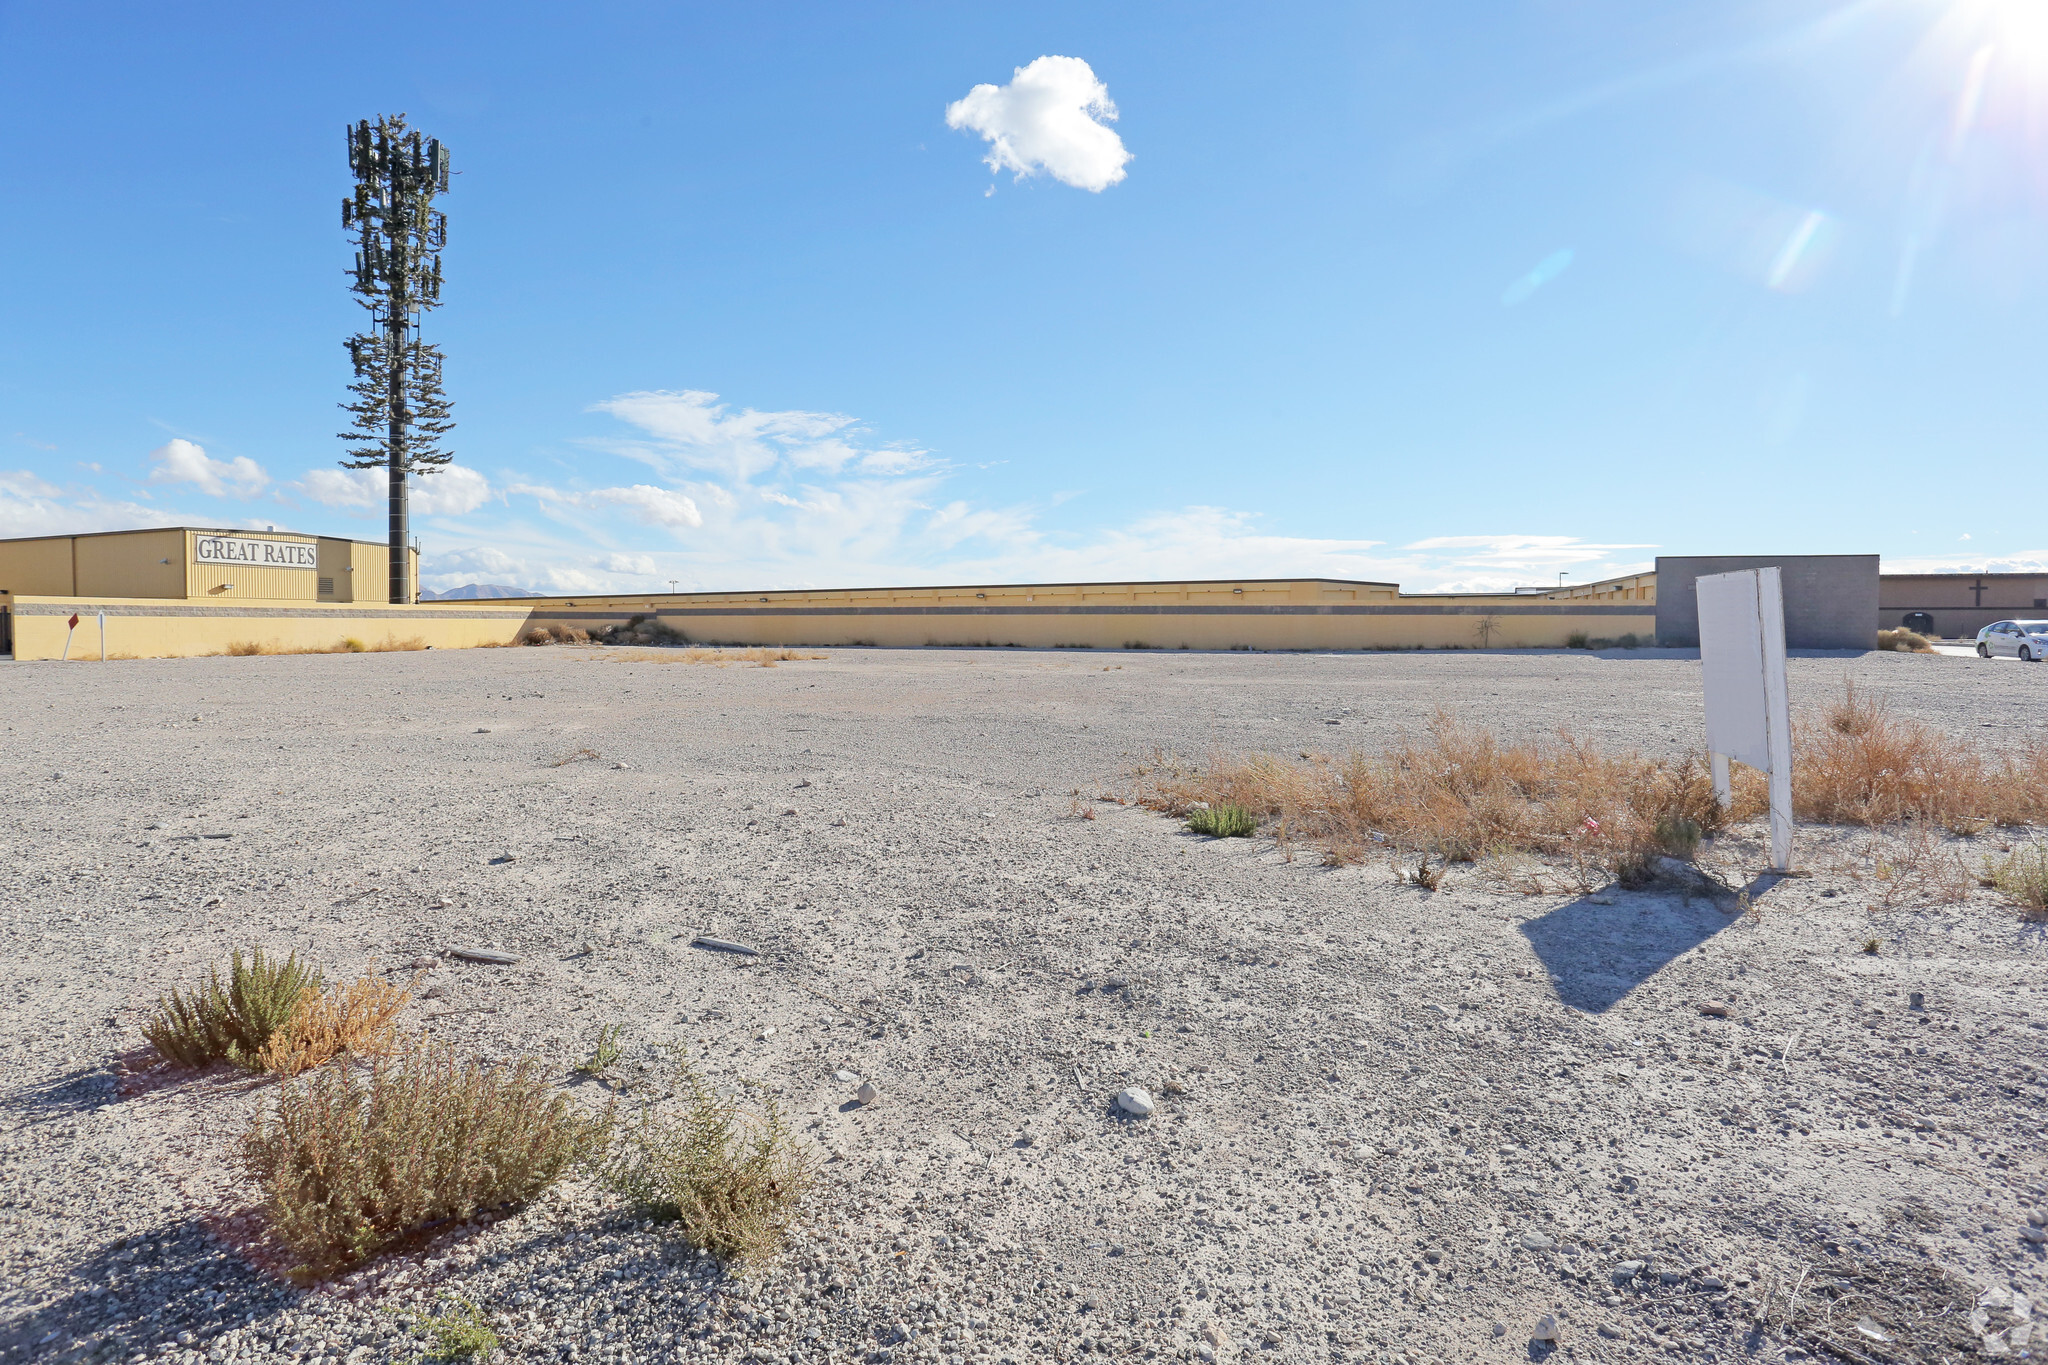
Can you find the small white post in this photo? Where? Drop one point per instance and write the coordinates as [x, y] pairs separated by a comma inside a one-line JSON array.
[[103, 637], [1724, 790]]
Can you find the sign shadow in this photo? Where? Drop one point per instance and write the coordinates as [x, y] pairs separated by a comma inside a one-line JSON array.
[[1596, 954]]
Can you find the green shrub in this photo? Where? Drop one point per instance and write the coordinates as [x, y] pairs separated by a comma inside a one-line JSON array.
[[2023, 876], [1678, 836], [1630, 641], [1577, 640], [461, 1332], [732, 1179], [1223, 821], [230, 1022], [359, 1157]]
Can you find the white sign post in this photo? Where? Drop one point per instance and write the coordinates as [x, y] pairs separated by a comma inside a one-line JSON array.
[[1749, 715], [103, 637]]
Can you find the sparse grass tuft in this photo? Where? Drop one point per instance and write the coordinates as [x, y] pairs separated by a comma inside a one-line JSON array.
[[359, 1018], [2023, 877], [605, 1055], [1871, 946], [243, 649], [1904, 641], [231, 1021], [575, 756], [1225, 821], [731, 1176], [359, 1157], [1577, 640], [460, 1332]]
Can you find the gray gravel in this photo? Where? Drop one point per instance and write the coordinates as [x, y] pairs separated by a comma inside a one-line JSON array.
[[1389, 1124]]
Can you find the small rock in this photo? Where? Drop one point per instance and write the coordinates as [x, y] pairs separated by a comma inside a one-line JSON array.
[[2037, 1218], [1136, 1102], [1627, 1271], [434, 993], [1712, 1282], [1537, 1241], [1500, 1329], [845, 1077], [1917, 1001], [1714, 1008], [211, 901], [1610, 1331], [621, 764], [421, 964], [2038, 1236], [1545, 1329], [721, 945], [867, 1094], [482, 731], [768, 1032], [801, 785], [504, 858], [790, 811]]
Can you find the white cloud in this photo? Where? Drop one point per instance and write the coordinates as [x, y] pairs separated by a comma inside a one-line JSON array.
[[693, 429], [450, 491], [2024, 561], [180, 461], [1049, 118], [655, 506], [32, 506]]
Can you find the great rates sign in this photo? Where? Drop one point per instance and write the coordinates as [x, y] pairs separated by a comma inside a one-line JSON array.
[[265, 554]]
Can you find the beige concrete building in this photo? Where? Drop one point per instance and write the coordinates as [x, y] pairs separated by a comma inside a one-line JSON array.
[[198, 564], [1957, 605]]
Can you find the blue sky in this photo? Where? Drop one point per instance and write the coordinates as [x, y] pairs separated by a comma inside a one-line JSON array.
[[1449, 294]]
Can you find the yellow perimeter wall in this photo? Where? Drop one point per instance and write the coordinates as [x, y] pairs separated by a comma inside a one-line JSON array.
[[1269, 614]]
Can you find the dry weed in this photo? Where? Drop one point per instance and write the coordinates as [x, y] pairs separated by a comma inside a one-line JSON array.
[[1904, 641], [1858, 764], [359, 1157], [359, 1018], [2023, 877], [574, 756], [732, 1178], [243, 649], [1457, 793]]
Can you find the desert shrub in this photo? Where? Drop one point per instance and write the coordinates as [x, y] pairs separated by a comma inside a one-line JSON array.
[[1678, 836], [1225, 821], [1904, 641], [351, 645], [1456, 793], [230, 1021], [1859, 764], [730, 1175], [1577, 640], [2023, 876], [458, 1332], [537, 636], [359, 1018], [1630, 641], [358, 1157], [568, 635]]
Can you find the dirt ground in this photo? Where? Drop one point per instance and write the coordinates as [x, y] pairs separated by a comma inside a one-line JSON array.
[[1392, 1124]]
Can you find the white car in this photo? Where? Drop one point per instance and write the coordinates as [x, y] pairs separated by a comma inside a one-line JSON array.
[[2022, 639]]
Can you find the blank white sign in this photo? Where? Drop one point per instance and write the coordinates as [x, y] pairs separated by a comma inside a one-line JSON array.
[[1742, 665]]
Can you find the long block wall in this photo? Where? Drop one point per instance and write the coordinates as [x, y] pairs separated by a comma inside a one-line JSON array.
[[1259, 615], [151, 628]]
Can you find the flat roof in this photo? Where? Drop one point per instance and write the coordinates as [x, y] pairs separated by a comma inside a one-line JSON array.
[[204, 530]]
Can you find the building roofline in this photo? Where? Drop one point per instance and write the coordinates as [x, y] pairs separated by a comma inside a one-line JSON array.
[[205, 530]]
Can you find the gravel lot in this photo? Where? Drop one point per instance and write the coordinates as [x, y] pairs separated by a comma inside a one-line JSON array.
[[1392, 1124]]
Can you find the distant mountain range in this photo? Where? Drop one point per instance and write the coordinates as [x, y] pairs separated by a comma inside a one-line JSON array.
[[469, 592]]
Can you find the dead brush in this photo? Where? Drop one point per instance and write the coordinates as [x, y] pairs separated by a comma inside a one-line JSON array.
[[731, 1175], [358, 1157], [233, 1020], [1856, 763], [1458, 793], [359, 1018], [1904, 641], [574, 756]]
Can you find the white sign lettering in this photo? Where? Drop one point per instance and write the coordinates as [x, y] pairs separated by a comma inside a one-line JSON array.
[[266, 554]]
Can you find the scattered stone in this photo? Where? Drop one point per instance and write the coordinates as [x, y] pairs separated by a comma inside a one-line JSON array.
[[489, 956], [1537, 1241], [2037, 1217], [1500, 1329], [721, 945], [211, 901], [1917, 1001], [1610, 1331], [1627, 1271], [1136, 1101], [434, 993], [482, 731], [845, 1077], [1714, 1008], [1545, 1329], [867, 1094], [2038, 1236], [1712, 1282], [621, 764], [422, 964], [504, 858]]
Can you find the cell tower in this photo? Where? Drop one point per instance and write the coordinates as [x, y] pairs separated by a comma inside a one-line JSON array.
[[400, 411]]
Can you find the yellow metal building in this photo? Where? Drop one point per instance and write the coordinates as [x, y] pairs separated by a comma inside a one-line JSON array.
[[199, 564]]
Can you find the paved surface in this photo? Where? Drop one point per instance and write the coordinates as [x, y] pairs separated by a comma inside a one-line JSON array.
[[1392, 1124]]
